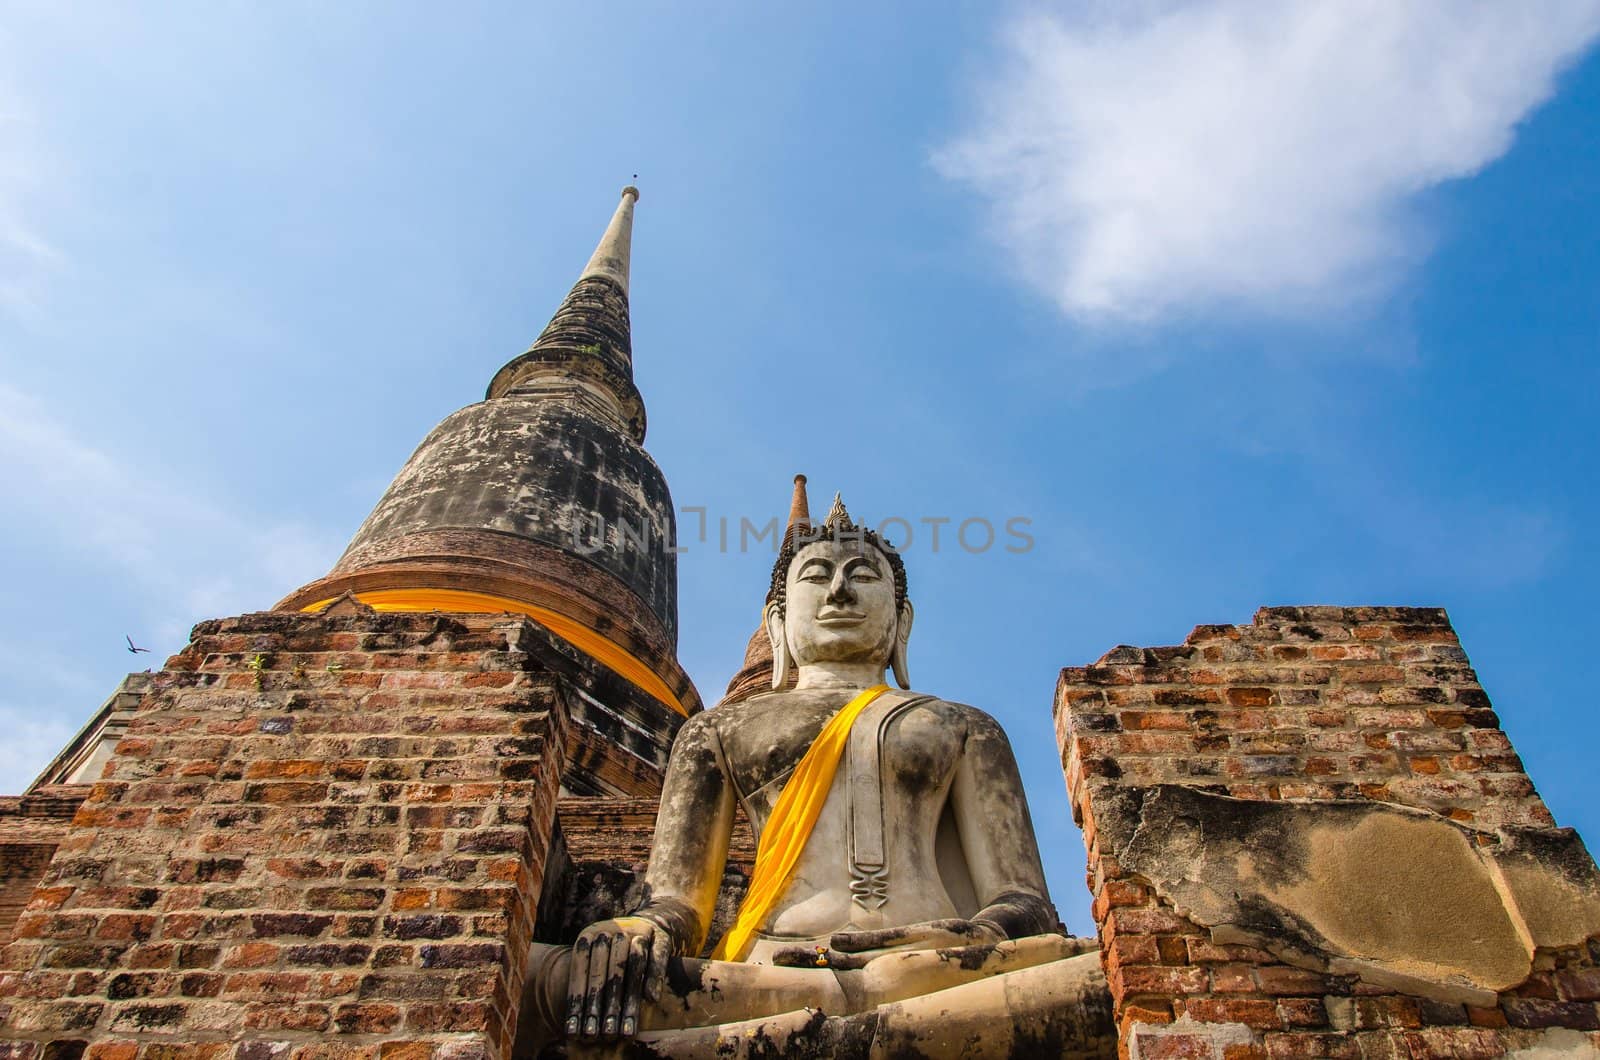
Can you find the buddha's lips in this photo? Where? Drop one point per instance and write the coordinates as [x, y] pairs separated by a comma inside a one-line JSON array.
[[841, 618]]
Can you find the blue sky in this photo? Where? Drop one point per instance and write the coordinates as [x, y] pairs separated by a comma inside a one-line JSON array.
[[1236, 309]]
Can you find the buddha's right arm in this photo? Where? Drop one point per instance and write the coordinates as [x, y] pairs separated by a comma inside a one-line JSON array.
[[690, 850]]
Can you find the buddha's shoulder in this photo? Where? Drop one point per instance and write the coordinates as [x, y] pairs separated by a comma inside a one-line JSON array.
[[956, 711]]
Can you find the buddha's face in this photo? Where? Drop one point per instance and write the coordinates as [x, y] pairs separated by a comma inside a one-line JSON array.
[[839, 604]]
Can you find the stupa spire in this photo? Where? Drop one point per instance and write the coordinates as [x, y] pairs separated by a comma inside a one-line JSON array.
[[755, 673], [522, 501], [585, 353], [610, 258], [799, 509]]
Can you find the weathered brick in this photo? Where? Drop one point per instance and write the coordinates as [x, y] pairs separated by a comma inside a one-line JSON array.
[[1466, 1043], [112, 1050], [345, 897], [1232, 979], [455, 1017], [1252, 1012], [1176, 1047], [1203, 951], [1302, 1012], [1282, 981], [269, 925], [1485, 1017], [402, 987], [327, 954], [1376, 1012], [1160, 980], [430, 926], [1150, 921], [262, 1049], [406, 1051], [1539, 1012], [1314, 1047], [466, 955], [146, 1016], [367, 1018], [1579, 984]]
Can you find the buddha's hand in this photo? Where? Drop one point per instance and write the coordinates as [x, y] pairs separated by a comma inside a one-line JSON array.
[[927, 935], [853, 949], [615, 963]]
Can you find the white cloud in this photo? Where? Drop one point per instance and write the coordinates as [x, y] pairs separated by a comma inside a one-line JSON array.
[[1161, 159], [191, 557], [25, 171]]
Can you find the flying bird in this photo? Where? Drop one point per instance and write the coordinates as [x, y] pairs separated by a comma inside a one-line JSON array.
[[131, 647]]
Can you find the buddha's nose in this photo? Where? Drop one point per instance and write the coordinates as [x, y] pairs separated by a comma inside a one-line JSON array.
[[839, 591]]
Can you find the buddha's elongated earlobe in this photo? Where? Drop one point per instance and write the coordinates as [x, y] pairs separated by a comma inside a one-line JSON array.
[[902, 634], [782, 661]]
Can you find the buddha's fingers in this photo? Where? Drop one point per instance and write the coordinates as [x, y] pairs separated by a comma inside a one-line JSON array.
[[577, 984], [633, 983], [621, 949], [594, 988], [925, 935], [817, 957], [660, 953]]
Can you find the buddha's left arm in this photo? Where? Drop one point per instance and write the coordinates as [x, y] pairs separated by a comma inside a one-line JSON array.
[[991, 815]]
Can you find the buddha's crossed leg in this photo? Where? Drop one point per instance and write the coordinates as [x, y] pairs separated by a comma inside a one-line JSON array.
[[988, 1000]]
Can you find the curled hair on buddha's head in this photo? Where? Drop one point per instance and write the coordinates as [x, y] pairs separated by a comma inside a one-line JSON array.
[[837, 527]]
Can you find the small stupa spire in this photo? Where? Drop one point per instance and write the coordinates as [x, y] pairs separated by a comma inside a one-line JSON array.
[[799, 509], [611, 256], [755, 674]]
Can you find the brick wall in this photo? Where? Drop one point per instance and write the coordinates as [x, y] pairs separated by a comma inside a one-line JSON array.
[[21, 865], [1318, 707], [31, 827], [323, 836]]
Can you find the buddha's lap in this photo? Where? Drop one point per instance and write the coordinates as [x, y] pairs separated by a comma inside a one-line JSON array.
[[713, 992]]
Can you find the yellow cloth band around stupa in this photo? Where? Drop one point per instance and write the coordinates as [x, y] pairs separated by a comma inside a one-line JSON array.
[[793, 817], [575, 633]]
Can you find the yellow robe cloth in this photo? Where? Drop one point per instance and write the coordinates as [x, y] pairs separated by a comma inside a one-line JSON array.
[[793, 817], [459, 601]]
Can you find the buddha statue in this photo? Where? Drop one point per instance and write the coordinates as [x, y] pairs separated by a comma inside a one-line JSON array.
[[898, 904]]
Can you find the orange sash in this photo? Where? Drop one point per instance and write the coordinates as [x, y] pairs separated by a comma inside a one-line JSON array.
[[793, 817], [460, 601]]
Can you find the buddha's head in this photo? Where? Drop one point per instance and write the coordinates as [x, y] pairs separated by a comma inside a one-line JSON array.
[[838, 596]]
